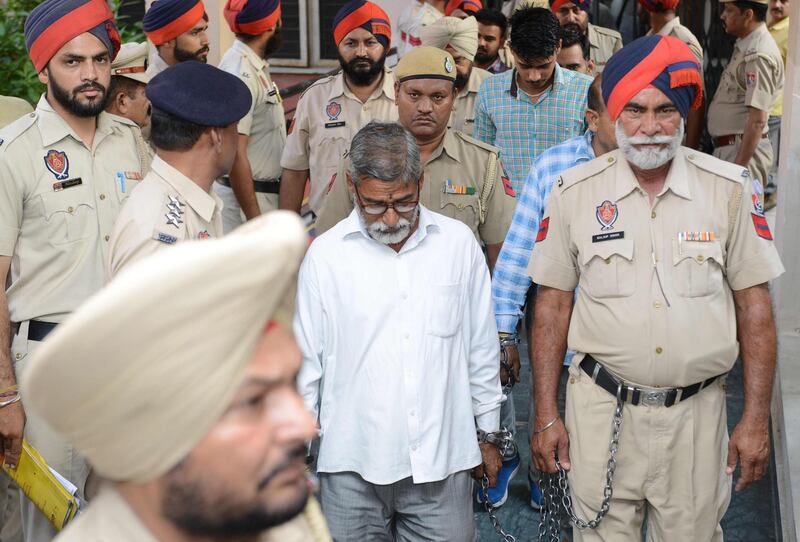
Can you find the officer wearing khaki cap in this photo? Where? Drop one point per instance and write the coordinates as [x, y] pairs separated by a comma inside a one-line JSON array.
[[196, 435], [459, 37], [747, 91], [463, 176], [128, 80], [195, 110]]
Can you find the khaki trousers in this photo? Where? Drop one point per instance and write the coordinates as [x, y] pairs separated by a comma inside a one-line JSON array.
[[670, 464], [59, 455], [760, 164], [10, 519], [232, 215]]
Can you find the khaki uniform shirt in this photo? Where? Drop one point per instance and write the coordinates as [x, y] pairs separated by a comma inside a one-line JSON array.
[[462, 162], [603, 42], [166, 207], [58, 203], [328, 115], [675, 29], [264, 123], [753, 78], [654, 302], [12, 108], [780, 33], [111, 519], [463, 116]]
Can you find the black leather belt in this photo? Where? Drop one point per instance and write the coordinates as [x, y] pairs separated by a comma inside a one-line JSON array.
[[263, 187], [37, 330], [638, 396]]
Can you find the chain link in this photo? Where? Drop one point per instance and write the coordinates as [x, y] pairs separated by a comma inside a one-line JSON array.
[[504, 441], [555, 489], [487, 504]]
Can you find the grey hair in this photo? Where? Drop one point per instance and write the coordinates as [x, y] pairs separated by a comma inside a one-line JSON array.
[[385, 151]]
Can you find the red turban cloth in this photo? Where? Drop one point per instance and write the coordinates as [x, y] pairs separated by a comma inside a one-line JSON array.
[[252, 17], [652, 5], [467, 6], [366, 15]]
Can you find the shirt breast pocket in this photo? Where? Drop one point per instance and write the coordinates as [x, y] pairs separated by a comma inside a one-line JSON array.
[[607, 269], [698, 268], [69, 215], [446, 309], [462, 207]]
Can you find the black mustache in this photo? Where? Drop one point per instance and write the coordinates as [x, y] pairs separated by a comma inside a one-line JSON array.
[[294, 455], [90, 86]]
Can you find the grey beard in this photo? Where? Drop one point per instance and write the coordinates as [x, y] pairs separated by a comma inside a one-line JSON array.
[[648, 159], [383, 233]]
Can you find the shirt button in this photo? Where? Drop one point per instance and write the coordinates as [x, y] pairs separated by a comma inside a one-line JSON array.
[[659, 349], [607, 260], [106, 237], [405, 295], [70, 210], [102, 196], [413, 412], [699, 257], [414, 447], [408, 335], [657, 304], [365, 108], [572, 380], [653, 214], [18, 356]]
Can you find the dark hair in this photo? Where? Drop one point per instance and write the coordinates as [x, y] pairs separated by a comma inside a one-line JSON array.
[[759, 10], [572, 36], [123, 84], [594, 98], [493, 17], [535, 33], [170, 133]]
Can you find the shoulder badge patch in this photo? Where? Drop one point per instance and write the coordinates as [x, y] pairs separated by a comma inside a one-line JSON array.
[[607, 213], [166, 238], [57, 163], [544, 227], [761, 226], [333, 110], [203, 235], [508, 188]]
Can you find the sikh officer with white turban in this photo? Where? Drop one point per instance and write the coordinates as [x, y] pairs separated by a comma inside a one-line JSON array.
[[459, 37], [196, 435]]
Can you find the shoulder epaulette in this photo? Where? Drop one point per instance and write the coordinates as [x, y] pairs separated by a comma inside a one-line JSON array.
[[318, 82], [720, 168], [16, 129], [585, 170], [476, 142], [607, 31]]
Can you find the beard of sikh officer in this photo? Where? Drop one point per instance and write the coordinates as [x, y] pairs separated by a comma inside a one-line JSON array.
[[204, 440]]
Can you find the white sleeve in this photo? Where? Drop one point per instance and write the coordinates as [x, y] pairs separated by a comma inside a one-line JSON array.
[[308, 330]]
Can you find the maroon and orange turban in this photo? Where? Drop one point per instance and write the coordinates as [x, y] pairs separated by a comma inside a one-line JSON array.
[[467, 6], [168, 19], [652, 5], [53, 23], [584, 5], [252, 17], [663, 62], [366, 15]]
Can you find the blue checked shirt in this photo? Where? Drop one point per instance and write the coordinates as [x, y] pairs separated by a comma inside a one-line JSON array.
[[506, 118], [510, 281]]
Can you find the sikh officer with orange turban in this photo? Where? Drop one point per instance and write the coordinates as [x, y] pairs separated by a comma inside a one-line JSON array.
[[178, 30], [671, 256], [335, 108], [63, 169], [253, 184]]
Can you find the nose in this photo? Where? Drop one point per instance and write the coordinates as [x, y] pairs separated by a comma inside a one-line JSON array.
[[649, 125], [390, 217], [203, 39], [534, 76], [89, 71], [361, 50], [481, 42], [297, 424], [425, 105]]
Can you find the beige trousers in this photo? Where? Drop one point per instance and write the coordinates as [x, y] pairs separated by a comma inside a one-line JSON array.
[[670, 464], [760, 164], [59, 455], [10, 519]]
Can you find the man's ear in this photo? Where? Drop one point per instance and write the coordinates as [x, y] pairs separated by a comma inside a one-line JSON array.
[[590, 65], [592, 119], [44, 75], [351, 187], [121, 102], [216, 138]]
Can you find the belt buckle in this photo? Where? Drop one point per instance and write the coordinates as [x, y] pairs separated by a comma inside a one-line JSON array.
[[653, 398]]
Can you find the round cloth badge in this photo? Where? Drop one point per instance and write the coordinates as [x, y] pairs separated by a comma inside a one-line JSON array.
[[448, 66]]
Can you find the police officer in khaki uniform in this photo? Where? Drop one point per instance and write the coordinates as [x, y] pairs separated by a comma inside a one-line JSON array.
[[333, 109], [603, 42], [194, 434], [463, 176], [671, 254], [747, 91], [195, 107], [459, 37], [253, 185], [61, 168]]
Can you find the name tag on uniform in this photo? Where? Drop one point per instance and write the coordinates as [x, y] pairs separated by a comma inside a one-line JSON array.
[[334, 124], [608, 236], [61, 185]]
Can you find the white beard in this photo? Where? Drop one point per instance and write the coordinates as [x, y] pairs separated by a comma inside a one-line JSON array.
[[649, 158], [385, 234]]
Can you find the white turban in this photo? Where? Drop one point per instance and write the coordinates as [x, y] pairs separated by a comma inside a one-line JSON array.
[[140, 373], [460, 34]]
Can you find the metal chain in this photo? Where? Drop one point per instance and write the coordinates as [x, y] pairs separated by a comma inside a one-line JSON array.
[[487, 504], [504, 441], [556, 495]]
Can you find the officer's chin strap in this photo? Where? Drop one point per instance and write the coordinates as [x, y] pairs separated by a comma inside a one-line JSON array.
[[555, 489]]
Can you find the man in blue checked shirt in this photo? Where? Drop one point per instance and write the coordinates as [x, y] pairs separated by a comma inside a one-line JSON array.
[[510, 282], [537, 104]]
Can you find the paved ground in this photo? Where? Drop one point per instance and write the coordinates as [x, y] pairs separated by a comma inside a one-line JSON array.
[[752, 516]]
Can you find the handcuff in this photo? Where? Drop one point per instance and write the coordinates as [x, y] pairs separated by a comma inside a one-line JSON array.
[[503, 440], [506, 340]]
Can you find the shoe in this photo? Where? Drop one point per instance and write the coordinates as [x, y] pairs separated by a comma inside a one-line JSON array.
[[499, 493], [536, 493]]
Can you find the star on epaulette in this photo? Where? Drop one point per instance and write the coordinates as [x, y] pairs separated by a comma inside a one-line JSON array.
[[175, 205], [174, 220]]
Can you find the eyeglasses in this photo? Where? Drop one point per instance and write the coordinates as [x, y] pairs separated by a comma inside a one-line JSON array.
[[376, 209]]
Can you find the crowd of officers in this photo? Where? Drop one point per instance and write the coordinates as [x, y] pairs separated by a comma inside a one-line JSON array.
[[133, 148]]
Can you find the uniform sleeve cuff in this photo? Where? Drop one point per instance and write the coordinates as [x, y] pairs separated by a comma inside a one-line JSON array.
[[547, 272], [759, 269]]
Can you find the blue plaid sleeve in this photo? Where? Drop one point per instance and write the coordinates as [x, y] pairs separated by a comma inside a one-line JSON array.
[[484, 129]]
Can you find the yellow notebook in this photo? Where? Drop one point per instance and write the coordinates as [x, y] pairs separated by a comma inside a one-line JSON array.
[[44, 488]]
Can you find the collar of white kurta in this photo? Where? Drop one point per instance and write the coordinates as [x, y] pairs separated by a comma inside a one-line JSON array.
[[352, 225], [54, 128], [676, 182], [243, 49], [339, 87], [198, 199]]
